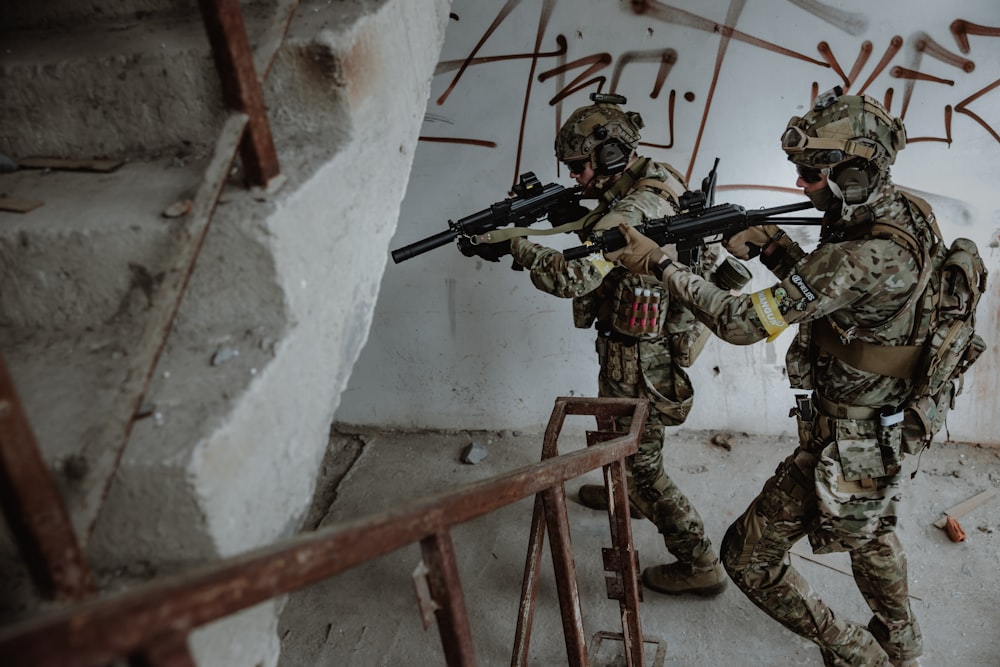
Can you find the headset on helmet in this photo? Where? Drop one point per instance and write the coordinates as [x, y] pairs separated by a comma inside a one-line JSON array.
[[852, 135], [602, 133]]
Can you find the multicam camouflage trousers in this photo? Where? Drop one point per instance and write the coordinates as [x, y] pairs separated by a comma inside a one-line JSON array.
[[754, 552], [646, 370]]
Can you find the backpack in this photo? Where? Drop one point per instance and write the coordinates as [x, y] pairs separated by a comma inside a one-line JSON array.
[[943, 344], [957, 281]]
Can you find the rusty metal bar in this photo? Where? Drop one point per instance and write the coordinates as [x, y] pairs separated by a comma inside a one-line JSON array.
[[452, 619], [627, 560], [36, 515], [529, 585], [234, 60], [104, 453], [565, 572], [96, 633]]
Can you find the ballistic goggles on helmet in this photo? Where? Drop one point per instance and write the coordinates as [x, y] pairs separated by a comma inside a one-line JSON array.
[[820, 153]]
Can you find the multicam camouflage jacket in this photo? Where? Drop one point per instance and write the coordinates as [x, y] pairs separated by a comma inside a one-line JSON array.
[[592, 282], [853, 283]]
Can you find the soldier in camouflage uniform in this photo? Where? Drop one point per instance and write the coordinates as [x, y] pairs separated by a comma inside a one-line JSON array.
[[851, 300], [639, 356]]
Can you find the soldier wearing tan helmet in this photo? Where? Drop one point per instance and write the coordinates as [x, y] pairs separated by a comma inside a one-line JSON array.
[[642, 356], [854, 301]]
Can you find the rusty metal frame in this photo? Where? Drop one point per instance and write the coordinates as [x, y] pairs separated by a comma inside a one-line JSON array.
[[149, 624], [227, 34], [34, 510], [621, 560]]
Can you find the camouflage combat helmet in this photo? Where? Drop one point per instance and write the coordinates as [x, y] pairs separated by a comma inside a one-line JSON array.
[[840, 128], [602, 126]]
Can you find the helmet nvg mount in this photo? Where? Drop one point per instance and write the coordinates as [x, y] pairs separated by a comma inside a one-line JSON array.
[[840, 128], [601, 133]]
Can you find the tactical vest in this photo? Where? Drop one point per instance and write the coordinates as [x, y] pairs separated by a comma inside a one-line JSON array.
[[943, 343]]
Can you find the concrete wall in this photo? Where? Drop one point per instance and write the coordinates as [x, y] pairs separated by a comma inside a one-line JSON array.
[[287, 279], [461, 343]]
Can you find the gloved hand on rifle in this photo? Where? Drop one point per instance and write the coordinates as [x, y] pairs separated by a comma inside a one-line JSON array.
[[569, 213], [750, 241], [491, 252], [640, 255]]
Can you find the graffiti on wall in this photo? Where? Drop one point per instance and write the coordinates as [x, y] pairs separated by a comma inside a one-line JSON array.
[[551, 73]]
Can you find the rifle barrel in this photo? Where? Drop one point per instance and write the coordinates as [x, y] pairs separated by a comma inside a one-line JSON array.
[[423, 245]]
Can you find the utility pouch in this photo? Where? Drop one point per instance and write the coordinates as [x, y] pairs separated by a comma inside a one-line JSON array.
[[619, 361], [860, 453], [686, 346]]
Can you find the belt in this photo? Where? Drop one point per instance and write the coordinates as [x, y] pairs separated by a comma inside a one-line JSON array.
[[844, 411], [617, 337]]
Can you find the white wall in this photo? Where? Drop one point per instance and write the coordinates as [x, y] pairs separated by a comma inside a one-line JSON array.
[[461, 343]]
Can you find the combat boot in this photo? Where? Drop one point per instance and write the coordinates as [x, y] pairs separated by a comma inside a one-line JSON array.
[[678, 578], [855, 648], [595, 496]]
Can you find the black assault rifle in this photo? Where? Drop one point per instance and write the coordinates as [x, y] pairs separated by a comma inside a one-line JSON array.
[[697, 224], [531, 202]]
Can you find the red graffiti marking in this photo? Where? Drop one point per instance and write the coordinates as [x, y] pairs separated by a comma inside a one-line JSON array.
[[961, 29], [594, 63], [458, 140], [852, 24], [961, 108], [895, 44], [543, 23], [464, 64], [671, 99], [904, 73], [923, 43], [666, 57]]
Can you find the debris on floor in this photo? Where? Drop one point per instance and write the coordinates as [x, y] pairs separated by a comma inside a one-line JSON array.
[[724, 440], [474, 453]]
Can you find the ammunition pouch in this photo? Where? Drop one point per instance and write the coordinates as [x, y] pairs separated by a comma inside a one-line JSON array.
[[640, 307]]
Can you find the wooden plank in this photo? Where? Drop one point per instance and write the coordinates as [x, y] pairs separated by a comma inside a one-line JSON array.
[[18, 205], [70, 164], [965, 507]]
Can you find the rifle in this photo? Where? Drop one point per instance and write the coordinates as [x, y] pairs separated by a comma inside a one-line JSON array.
[[531, 202], [697, 225]]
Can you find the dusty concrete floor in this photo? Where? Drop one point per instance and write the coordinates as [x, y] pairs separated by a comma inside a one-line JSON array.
[[369, 615]]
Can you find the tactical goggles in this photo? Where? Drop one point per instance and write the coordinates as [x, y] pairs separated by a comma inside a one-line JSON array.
[[819, 152], [810, 174], [576, 166]]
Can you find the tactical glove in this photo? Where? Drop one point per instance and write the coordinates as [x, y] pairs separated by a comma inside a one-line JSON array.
[[640, 255], [491, 252], [750, 241]]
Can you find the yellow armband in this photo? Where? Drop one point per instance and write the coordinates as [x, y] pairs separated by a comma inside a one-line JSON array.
[[768, 313]]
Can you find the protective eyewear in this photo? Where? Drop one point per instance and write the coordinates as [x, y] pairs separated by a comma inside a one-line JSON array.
[[576, 166], [821, 152], [810, 174]]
